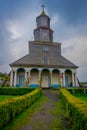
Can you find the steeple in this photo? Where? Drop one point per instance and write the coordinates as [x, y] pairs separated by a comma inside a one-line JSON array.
[[43, 12], [43, 31]]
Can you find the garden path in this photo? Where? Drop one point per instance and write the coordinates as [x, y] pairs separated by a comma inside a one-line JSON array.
[[50, 116]]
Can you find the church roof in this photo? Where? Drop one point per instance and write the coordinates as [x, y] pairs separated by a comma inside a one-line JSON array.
[[35, 59]]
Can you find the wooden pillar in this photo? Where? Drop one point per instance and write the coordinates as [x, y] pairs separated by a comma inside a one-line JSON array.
[[11, 78], [64, 78], [73, 82], [26, 75], [40, 77], [15, 78], [76, 79], [51, 78], [61, 79]]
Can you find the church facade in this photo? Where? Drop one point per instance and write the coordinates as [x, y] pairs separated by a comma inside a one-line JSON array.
[[44, 66]]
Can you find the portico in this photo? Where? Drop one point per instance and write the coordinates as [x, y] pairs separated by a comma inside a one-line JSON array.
[[43, 77]]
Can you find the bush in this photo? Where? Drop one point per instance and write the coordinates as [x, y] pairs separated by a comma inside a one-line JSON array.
[[76, 109], [77, 90], [10, 109], [15, 91]]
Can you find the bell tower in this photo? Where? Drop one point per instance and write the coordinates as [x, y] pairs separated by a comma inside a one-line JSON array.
[[43, 31]]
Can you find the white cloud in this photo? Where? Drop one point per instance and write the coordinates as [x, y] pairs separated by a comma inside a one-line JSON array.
[[14, 29], [75, 49], [18, 32], [54, 20]]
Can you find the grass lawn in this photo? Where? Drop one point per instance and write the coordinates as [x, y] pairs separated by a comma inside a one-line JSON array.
[[6, 97], [81, 96]]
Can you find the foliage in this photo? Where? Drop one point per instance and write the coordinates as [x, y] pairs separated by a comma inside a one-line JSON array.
[[77, 90], [81, 96], [10, 109], [76, 109], [5, 77], [6, 97], [26, 117], [14, 91]]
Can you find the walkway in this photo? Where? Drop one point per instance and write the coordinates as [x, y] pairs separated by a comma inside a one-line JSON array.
[[45, 114], [49, 117]]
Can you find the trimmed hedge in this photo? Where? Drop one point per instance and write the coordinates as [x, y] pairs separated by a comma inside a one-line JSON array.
[[10, 109], [77, 90], [15, 91], [76, 109]]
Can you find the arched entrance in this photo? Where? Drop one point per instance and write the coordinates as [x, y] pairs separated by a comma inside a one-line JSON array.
[[45, 77], [20, 77], [68, 78], [34, 78], [55, 78]]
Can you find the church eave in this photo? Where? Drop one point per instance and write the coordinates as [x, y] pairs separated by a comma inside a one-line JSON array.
[[46, 42], [43, 65], [50, 30], [42, 16]]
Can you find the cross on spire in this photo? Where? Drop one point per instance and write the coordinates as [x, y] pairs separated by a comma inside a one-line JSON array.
[[43, 6]]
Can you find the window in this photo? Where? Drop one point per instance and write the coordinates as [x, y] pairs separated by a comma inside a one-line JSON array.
[[45, 60], [45, 49]]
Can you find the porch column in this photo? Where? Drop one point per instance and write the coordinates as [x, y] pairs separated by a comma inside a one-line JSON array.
[[73, 82], [51, 77], [15, 78], [76, 79], [26, 75], [11, 78], [61, 79], [64, 78], [40, 77]]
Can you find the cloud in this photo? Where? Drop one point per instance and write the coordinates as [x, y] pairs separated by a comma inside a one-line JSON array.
[[75, 49], [15, 34], [73, 12], [14, 29], [74, 43], [54, 20]]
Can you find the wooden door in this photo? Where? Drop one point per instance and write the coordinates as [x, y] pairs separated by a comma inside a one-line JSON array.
[[45, 81], [21, 80]]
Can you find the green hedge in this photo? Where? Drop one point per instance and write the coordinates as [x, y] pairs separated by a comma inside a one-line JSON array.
[[15, 91], [76, 109], [10, 109], [77, 90]]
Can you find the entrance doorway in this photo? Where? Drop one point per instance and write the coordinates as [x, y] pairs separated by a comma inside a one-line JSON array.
[[21, 80], [45, 78]]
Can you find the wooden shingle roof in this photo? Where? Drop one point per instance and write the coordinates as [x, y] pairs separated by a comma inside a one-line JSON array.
[[36, 57]]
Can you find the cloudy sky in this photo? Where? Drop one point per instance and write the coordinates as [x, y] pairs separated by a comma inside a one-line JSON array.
[[68, 20]]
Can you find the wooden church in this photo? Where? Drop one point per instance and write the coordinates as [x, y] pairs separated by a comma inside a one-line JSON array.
[[44, 66]]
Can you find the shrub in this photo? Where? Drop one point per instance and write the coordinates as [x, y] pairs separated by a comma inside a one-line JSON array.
[[76, 109], [10, 109], [77, 90], [15, 91]]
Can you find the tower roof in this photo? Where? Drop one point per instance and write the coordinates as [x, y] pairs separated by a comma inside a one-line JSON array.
[[43, 12]]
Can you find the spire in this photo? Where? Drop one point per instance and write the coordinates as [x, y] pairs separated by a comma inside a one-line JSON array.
[[43, 12], [43, 31]]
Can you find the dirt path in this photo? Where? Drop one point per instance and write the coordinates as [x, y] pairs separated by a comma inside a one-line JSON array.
[[50, 115]]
